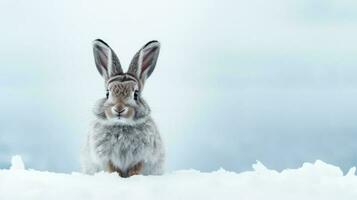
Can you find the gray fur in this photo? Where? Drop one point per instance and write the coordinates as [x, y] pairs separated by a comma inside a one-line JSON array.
[[123, 143]]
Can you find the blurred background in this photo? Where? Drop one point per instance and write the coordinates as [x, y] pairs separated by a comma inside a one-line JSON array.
[[236, 81]]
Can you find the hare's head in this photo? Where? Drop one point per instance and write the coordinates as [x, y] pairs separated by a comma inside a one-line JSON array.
[[123, 102]]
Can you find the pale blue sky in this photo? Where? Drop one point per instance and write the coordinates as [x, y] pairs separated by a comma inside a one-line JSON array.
[[236, 81]]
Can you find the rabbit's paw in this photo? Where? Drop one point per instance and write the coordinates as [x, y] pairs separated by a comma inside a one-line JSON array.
[[136, 169], [111, 168]]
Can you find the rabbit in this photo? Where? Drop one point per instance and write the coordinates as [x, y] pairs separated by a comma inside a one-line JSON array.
[[124, 138]]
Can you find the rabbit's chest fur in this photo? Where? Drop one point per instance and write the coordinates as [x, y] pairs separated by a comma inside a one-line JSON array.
[[124, 146]]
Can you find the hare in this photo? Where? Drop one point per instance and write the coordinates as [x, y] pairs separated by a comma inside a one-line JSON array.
[[124, 138]]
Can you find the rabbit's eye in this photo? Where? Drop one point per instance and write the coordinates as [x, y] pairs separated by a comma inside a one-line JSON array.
[[136, 94], [107, 94]]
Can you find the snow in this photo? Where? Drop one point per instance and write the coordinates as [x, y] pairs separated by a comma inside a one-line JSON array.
[[17, 163], [312, 181]]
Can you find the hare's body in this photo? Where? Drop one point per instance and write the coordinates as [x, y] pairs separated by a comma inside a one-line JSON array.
[[124, 138], [124, 147]]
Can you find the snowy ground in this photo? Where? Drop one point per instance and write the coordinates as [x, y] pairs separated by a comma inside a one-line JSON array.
[[311, 181]]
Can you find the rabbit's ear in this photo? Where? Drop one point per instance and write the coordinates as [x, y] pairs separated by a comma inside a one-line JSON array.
[[106, 60], [144, 61]]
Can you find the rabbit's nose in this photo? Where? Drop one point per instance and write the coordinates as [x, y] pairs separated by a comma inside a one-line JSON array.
[[119, 111]]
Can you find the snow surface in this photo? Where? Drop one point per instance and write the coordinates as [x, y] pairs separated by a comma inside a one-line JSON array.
[[311, 181]]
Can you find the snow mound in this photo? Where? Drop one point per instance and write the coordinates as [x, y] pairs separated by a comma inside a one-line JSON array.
[[17, 163], [312, 181]]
